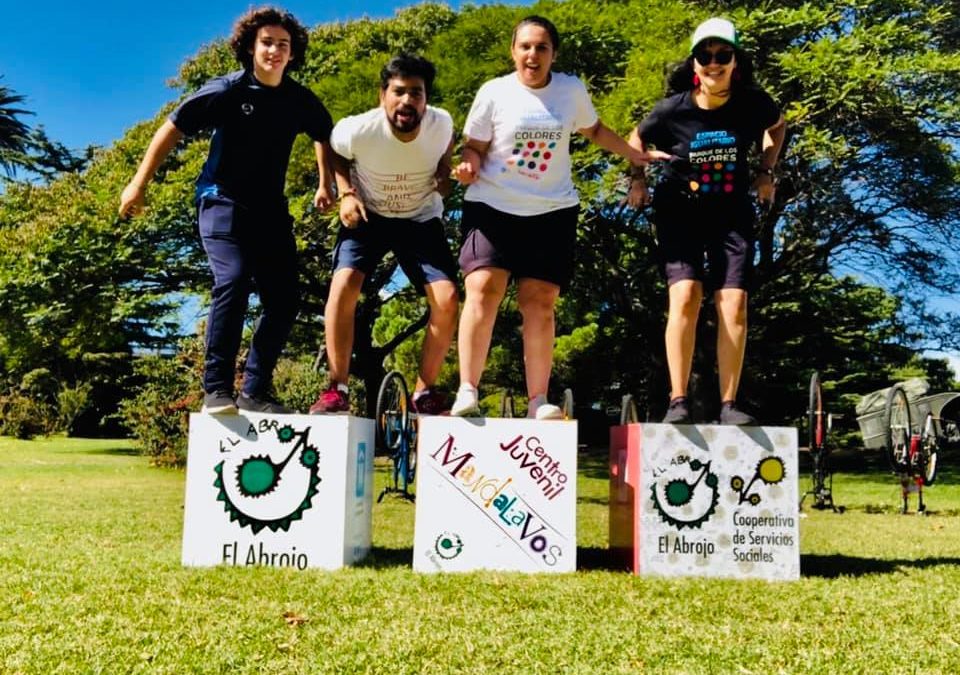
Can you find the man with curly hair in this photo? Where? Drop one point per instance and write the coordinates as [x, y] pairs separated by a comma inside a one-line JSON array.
[[247, 232]]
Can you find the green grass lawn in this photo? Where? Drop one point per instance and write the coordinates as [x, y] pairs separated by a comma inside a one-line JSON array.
[[90, 581]]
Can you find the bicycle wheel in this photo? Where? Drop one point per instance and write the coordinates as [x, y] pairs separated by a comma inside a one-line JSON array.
[[393, 416], [506, 405], [628, 410], [411, 449], [816, 428], [567, 406], [897, 429], [926, 460]]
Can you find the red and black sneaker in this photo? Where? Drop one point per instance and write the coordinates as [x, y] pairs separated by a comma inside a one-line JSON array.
[[431, 402], [332, 401]]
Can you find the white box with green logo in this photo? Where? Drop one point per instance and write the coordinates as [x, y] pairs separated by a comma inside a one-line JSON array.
[[278, 490]]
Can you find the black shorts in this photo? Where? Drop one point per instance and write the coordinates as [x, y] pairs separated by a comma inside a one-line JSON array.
[[421, 248], [529, 247], [691, 228]]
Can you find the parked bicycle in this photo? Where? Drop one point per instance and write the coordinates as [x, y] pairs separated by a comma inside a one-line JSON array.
[[819, 423], [396, 427], [912, 452]]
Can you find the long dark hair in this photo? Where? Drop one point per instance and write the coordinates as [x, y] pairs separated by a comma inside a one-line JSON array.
[[545, 24], [680, 75]]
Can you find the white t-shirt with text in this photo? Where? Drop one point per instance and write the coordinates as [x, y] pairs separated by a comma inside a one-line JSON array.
[[395, 179], [526, 170]]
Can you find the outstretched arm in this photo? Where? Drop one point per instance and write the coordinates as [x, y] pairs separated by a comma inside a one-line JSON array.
[[352, 208], [770, 147], [603, 136], [638, 195], [468, 169], [164, 141], [323, 198], [444, 167]]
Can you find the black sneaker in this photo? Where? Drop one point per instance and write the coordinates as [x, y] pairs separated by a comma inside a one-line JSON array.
[[677, 413], [219, 402], [262, 405], [730, 414]]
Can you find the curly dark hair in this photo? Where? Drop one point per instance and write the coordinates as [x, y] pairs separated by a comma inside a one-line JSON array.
[[245, 33], [680, 77]]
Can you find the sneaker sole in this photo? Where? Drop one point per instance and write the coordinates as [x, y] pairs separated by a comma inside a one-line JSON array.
[[221, 410], [468, 412]]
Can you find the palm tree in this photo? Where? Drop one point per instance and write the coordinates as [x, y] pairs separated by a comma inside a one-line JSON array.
[[14, 134]]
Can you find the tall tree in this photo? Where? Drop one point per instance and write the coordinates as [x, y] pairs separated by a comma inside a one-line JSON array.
[[14, 132], [868, 188]]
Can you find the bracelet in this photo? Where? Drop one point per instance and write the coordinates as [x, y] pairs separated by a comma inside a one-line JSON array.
[[767, 170], [349, 192]]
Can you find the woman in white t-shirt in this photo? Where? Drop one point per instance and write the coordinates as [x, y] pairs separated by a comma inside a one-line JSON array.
[[520, 210]]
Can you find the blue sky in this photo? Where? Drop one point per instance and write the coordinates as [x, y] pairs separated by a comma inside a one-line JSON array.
[[92, 70]]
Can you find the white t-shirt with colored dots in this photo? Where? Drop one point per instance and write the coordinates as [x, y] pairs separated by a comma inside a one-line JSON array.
[[527, 168]]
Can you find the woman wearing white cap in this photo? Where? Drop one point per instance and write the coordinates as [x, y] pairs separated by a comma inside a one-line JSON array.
[[712, 117]]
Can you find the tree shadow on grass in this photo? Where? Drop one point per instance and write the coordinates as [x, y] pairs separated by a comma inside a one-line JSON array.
[[113, 452], [834, 566], [594, 463], [383, 558], [593, 558]]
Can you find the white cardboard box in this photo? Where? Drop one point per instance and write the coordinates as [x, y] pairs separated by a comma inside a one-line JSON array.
[[496, 494], [278, 490], [705, 500]]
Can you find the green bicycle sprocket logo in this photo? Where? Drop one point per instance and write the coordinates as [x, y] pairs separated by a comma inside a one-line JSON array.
[[252, 499], [686, 494]]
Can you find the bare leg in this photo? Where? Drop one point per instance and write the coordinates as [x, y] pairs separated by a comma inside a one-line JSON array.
[[339, 315], [731, 338], [537, 299], [443, 301], [485, 289], [685, 297]]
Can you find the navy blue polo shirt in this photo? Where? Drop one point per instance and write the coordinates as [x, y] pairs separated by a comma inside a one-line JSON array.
[[254, 127]]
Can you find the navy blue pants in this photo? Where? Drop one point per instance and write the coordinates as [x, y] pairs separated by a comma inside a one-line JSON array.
[[248, 249]]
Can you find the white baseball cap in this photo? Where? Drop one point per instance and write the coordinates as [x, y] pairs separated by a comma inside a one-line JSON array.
[[715, 29]]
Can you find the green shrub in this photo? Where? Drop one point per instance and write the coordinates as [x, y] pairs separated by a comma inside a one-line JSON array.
[[24, 417], [40, 385], [158, 414], [71, 403], [296, 383]]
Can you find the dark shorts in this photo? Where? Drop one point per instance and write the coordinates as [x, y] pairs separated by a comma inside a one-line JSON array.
[[703, 242], [529, 247], [421, 248]]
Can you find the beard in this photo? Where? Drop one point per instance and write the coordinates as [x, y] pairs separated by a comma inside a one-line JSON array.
[[408, 123]]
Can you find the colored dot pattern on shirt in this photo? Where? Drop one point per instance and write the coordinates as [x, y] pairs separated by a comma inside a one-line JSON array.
[[715, 177], [531, 155]]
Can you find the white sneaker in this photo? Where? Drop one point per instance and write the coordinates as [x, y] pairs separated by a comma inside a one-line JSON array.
[[467, 402], [539, 409]]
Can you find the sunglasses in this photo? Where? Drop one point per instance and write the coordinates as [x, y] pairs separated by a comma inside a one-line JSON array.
[[721, 57]]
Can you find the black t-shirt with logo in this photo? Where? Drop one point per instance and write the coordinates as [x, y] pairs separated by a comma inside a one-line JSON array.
[[254, 127], [710, 146]]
